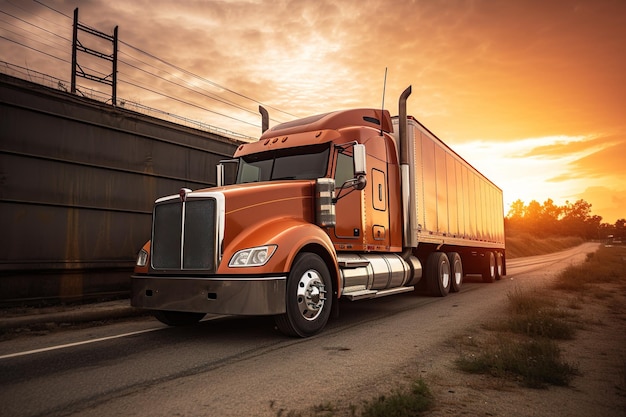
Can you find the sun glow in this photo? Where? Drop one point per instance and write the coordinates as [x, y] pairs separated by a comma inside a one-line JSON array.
[[524, 174]]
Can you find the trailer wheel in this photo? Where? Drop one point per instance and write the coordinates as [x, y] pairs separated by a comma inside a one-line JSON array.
[[438, 274], [178, 318], [308, 298], [489, 267], [499, 266], [456, 271]]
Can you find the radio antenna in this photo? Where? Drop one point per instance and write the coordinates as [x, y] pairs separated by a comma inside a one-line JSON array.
[[383, 104]]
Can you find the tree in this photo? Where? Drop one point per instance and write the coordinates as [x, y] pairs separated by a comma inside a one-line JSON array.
[[620, 229], [516, 212], [515, 218], [572, 219]]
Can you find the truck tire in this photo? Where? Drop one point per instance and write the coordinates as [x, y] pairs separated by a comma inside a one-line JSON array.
[[499, 266], [308, 299], [438, 274], [489, 267], [456, 271], [178, 318]]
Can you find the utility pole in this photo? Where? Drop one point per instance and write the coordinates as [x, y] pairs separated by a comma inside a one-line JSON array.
[[77, 46]]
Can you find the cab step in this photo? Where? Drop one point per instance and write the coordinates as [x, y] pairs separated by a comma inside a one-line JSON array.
[[368, 294]]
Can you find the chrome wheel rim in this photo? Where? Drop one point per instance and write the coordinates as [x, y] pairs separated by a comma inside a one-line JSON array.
[[311, 295]]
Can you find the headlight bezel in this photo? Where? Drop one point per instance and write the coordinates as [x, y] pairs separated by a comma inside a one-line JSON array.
[[252, 257], [142, 258]]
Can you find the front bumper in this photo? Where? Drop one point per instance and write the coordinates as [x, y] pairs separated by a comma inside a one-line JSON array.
[[232, 295]]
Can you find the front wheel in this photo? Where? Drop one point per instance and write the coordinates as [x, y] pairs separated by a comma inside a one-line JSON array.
[[308, 299]]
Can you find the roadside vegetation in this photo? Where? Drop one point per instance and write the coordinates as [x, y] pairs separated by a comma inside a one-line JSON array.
[[606, 266], [411, 402], [402, 403], [536, 229], [523, 347], [570, 219], [525, 244]]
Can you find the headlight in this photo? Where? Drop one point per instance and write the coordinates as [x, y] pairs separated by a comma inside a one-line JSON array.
[[142, 258], [252, 257]]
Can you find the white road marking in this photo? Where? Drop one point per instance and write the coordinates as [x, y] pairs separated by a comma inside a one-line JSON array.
[[84, 342]]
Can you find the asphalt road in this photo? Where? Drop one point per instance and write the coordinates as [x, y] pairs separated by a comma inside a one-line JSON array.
[[233, 366]]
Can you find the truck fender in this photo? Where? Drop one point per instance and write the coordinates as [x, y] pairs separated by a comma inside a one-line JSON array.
[[292, 236]]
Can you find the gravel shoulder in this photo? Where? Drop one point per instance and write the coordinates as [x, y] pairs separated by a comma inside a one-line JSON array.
[[241, 367], [598, 350]]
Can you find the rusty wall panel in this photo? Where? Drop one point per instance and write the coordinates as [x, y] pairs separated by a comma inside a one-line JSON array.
[[77, 183]]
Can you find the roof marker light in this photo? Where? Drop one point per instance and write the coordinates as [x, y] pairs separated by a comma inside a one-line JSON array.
[[183, 194]]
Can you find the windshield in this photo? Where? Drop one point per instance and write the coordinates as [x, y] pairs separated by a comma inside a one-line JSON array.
[[304, 163]]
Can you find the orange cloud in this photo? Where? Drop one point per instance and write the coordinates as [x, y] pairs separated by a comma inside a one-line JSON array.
[[481, 70], [607, 163], [609, 202]]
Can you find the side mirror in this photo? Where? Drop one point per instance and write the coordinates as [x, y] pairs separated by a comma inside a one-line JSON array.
[[360, 169], [219, 178], [359, 160]]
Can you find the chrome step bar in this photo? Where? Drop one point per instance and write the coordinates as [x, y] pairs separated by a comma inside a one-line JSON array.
[[368, 294]]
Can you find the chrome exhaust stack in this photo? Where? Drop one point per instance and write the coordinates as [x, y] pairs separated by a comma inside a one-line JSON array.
[[265, 119]]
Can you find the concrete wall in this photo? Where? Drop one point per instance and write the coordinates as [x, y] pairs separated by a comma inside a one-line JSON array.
[[77, 183]]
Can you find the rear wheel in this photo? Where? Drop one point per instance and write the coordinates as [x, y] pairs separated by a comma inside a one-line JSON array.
[[489, 267], [308, 299], [178, 318], [456, 271], [438, 274], [499, 266]]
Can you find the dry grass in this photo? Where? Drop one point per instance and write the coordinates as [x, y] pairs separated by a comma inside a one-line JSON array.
[[607, 265], [534, 362], [401, 404], [523, 346], [525, 244]]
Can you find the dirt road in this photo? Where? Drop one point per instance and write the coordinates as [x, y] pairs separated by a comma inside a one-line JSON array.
[[387, 344], [243, 367]]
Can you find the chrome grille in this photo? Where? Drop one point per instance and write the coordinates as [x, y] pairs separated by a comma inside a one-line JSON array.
[[184, 235]]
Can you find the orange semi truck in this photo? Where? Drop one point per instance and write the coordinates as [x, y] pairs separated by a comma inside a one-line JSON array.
[[349, 205]]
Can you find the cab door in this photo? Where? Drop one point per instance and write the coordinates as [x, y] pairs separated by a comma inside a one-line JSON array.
[[349, 229], [379, 223]]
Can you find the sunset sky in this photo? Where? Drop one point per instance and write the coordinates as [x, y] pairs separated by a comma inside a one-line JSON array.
[[531, 92]]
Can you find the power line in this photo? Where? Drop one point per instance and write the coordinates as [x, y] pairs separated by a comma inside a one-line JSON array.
[[51, 44], [53, 9], [189, 88], [132, 81], [183, 70], [190, 104], [34, 49], [32, 24], [202, 78]]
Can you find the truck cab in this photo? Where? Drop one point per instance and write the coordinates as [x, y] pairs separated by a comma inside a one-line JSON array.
[[318, 212]]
